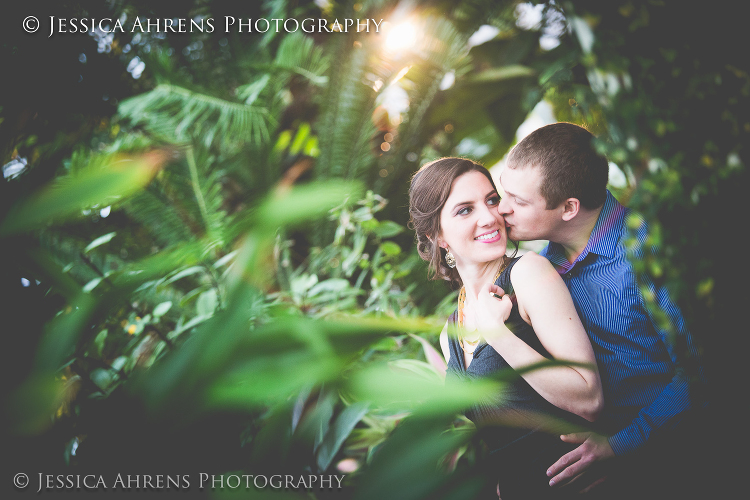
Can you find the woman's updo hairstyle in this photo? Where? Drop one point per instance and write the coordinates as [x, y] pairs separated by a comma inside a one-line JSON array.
[[430, 188]]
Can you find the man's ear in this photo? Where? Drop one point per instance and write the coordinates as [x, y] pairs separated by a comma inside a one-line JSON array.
[[571, 207]]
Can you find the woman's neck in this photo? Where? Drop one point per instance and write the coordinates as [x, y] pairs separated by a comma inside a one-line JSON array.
[[476, 276]]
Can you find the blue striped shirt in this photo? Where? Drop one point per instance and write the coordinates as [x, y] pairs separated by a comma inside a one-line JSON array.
[[645, 388]]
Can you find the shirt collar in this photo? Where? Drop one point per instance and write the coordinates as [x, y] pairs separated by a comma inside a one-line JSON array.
[[603, 240]]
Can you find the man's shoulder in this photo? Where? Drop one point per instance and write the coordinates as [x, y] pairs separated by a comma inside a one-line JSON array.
[[631, 221]]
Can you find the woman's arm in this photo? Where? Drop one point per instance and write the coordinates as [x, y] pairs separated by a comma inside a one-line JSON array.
[[544, 302]]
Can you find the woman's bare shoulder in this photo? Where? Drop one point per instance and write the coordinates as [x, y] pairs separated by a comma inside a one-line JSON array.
[[531, 265]]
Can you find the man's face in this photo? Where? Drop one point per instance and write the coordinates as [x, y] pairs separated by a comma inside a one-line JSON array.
[[524, 208]]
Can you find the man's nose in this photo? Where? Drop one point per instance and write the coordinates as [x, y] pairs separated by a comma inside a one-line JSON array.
[[503, 207]]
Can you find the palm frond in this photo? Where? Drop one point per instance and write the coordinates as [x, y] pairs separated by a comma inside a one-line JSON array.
[[347, 127], [177, 114], [298, 54]]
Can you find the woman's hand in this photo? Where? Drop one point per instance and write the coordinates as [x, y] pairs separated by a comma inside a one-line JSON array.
[[492, 312]]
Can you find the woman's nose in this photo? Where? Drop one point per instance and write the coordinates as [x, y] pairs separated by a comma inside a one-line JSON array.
[[489, 216]]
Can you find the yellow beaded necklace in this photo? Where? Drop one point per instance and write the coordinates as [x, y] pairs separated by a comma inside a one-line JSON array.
[[460, 316]]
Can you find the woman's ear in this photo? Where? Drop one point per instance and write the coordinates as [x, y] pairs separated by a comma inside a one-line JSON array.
[[439, 242]]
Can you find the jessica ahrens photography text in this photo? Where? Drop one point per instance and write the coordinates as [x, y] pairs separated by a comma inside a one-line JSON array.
[[226, 24], [48, 482]]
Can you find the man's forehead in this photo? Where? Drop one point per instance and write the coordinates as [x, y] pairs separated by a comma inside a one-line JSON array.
[[517, 180]]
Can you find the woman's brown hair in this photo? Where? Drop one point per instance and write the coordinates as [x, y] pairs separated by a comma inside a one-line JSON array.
[[430, 188]]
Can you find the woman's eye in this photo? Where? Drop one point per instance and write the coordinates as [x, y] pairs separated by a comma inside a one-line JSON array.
[[464, 211], [493, 201]]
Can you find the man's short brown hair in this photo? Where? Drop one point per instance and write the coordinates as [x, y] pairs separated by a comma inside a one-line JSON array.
[[570, 166]]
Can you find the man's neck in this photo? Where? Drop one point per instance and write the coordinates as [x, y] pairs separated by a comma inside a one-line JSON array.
[[577, 232]]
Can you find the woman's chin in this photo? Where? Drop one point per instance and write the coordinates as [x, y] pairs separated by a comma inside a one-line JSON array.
[[492, 253]]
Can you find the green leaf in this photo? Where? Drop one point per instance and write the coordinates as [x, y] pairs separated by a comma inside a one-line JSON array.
[[161, 309], [182, 274], [101, 240], [68, 196], [197, 320], [311, 147], [119, 362], [102, 378], [303, 203], [319, 421], [226, 259], [92, 284], [299, 139], [301, 284], [259, 383], [390, 248], [179, 113], [405, 389], [417, 367], [251, 91], [335, 285], [338, 433], [388, 229], [499, 74], [99, 342], [207, 302]]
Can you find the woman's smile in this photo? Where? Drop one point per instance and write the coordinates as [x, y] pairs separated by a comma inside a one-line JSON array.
[[489, 237]]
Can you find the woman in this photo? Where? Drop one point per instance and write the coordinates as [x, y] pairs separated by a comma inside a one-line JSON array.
[[453, 207]]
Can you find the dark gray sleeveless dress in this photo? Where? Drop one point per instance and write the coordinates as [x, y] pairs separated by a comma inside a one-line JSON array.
[[519, 450]]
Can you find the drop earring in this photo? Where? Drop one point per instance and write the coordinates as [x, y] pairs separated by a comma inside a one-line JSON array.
[[450, 259]]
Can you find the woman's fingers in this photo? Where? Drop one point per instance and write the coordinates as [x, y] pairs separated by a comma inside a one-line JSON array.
[[494, 301], [493, 289]]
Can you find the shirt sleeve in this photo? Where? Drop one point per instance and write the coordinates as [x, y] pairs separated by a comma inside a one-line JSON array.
[[663, 413]]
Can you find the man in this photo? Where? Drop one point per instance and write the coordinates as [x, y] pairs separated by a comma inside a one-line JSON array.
[[555, 189]]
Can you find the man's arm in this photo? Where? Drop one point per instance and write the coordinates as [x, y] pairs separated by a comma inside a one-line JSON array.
[[686, 390], [663, 413]]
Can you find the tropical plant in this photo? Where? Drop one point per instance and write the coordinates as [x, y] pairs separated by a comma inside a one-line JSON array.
[[213, 277]]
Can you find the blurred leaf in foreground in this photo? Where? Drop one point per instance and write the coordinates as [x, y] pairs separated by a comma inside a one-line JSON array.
[[102, 183]]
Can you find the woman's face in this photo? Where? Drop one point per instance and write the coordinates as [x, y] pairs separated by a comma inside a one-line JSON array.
[[470, 225]]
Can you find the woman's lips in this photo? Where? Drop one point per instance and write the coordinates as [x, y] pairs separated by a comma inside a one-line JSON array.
[[490, 237]]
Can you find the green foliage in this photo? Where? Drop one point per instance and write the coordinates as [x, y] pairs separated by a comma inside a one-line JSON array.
[[674, 109], [251, 284], [171, 112], [358, 273]]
